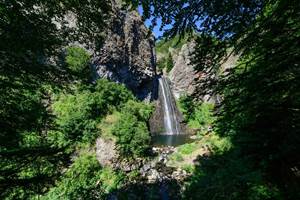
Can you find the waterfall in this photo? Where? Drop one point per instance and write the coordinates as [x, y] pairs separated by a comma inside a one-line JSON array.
[[171, 123]]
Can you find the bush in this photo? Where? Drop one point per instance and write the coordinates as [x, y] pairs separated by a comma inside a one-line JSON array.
[[80, 112], [186, 106], [131, 131], [85, 179], [197, 115], [111, 95], [166, 63], [75, 114], [203, 115], [77, 59]]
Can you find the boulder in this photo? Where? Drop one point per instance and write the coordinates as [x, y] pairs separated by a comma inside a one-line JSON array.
[[106, 152]]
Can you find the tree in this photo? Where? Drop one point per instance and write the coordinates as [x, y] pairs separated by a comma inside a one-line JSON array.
[[131, 131], [86, 179], [78, 61], [260, 103], [78, 113], [31, 42]]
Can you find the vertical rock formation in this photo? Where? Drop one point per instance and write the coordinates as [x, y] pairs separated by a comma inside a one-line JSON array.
[[128, 55], [186, 80], [183, 74]]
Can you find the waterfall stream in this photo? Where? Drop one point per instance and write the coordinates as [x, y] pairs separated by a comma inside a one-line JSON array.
[[171, 123]]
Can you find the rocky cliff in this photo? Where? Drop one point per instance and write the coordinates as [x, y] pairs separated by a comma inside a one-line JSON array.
[[186, 80], [183, 75], [128, 55]]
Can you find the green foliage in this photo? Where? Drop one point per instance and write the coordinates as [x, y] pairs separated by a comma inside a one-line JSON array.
[[31, 44], [77, 60], [219, 145], [85, 179], [184, 155], [255, 114], [111, 180], [163, 46], [186, 106], [167, 48], [228, 177], [177, 157], [197, 115], [187, 148], [111, 95], [262, 121], [202, 116], [75, 114], [129, 128], [131, 131], [258, 192], [259, 115], [141, 110], [79, 113]]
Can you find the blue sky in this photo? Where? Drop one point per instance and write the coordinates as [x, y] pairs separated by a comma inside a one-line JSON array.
[[157, 33]]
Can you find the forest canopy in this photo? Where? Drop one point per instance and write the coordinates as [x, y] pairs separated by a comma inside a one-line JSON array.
[[52, 110], [259, 110]]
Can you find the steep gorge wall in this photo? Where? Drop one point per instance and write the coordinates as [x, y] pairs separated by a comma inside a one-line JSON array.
[[185, 80], [128, 54], [183, 75]]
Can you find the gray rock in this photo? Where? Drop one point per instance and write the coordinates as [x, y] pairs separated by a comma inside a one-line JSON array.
[[105, 152], [128, 55], [153, 176], [179, 174], [186, 80], [183, 74]]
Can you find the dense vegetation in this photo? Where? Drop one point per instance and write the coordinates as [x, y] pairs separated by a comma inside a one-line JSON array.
[[131, 130], [85, 179], [51, 113], [76, 113], [128, 126], [31, 43], [259, 111], [166, 49], [196, 114]]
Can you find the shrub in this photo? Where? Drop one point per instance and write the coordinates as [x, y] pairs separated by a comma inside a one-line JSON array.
[[196, 114], [77, 59], [131, 131], [203, 114], [112, 95], [86, 179], [75, 114], [186, 106], [78, 113]]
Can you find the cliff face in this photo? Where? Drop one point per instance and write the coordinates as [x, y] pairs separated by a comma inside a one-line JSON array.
[[186, 80], [183, 74], [128, 55]]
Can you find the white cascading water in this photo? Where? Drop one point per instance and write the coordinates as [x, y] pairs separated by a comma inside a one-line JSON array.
[[171, 123]]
